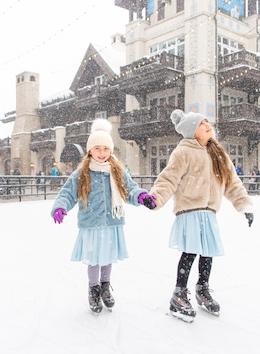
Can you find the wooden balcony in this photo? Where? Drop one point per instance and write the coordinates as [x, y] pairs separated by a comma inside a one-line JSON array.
[[152, 74], [239, 70], [101, 97], [43, 139], [147, 122], [77, 133], [5, 146], [88, 96], [242, 119]]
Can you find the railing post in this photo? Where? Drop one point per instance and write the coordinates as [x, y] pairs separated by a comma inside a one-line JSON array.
[[44, 188], [20, 190]]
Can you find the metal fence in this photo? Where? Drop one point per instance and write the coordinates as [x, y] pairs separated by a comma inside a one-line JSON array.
[[30, 186], [40, 187]]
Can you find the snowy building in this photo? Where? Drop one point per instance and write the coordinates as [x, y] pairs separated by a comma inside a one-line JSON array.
[[54, 132], [200, 56]]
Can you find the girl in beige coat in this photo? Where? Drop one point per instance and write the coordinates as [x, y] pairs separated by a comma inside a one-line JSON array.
[[198, 174]]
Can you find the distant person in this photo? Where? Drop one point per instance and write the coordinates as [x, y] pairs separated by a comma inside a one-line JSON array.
[[42, 180], [252, 180], [127, 170], [54, 180], [257, 174], [239, 170], [198, 174], [38, 180], [100, 186]]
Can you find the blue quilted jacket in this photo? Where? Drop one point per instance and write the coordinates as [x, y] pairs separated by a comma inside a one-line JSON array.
[[98, 212]]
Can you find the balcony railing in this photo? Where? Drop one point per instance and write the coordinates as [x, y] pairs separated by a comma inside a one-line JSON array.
[[242, 57], [77, 132], [147, 115], [44, 138], [43, 135], [5, 146], [164, 60], [239, 111]]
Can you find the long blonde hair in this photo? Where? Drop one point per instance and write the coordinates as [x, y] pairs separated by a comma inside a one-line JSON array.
[[220, 162], [85, 180]]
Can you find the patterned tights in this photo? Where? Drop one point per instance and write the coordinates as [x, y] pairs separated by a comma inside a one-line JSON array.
[[184, 268]]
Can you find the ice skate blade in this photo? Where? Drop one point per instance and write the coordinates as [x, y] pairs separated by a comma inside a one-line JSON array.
[[96, 314], [109, 309], [181, 316], [216, 314]]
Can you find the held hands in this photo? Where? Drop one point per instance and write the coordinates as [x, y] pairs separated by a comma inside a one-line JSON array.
[[250, 218], [58, 215], [147, 200]]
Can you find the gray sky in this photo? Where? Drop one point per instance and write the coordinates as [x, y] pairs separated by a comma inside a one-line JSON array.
[[26, 24]]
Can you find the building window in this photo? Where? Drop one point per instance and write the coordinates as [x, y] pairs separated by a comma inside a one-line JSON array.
[[160, 155], [22, 78], [236, 154], [180, 5], [229, 100], [32, 78], [161, 10], [174, 46], [101, 114], [99, 80], [171, 100], [18, 80], [7, 167], [16, 147], [228, 46]]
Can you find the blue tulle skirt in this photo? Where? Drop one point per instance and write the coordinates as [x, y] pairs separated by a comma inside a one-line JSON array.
[[198, 233], [100, 246]]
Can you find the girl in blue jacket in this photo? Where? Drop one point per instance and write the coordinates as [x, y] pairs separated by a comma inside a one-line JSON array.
[[100, 186]]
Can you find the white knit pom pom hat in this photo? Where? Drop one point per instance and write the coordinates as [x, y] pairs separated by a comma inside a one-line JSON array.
[[100, 135]]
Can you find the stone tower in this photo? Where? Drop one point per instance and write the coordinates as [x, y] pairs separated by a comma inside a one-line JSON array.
[[26, 121]]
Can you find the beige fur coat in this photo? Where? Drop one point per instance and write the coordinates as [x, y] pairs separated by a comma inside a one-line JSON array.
[[190, 179]]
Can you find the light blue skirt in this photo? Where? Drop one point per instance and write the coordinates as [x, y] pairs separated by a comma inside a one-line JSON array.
[[198, 233], [100, 246]]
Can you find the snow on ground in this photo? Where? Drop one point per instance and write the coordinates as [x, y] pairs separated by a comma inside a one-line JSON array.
[[43, 298]]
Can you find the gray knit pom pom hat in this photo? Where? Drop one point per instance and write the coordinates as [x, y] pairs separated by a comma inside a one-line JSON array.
[[186, 124]]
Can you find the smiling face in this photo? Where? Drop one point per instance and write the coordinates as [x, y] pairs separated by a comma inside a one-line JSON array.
[[100, 153], [204, 132]]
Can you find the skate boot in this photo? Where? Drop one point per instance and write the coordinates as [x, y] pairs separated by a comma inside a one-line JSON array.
[[106, 296], [94, 299], [180, 306], [205, 300]]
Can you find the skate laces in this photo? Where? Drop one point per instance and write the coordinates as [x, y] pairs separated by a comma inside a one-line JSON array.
[[94, 293], [105, 289], [183, 295], [205, 292]]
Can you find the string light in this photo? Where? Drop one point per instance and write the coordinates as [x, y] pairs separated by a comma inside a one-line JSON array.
[[150, 59], [47, 40], [9, 8]]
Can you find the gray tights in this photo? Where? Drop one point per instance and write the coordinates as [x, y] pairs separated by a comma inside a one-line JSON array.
[[93, 274]]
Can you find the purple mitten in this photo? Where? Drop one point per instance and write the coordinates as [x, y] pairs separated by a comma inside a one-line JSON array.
[[147, 200], [58, 215]]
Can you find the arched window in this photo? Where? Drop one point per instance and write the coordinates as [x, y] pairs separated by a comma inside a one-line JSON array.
[[47, 164], [18, 80], [22, 78], [32, 78], [7, 167], [17, 172]]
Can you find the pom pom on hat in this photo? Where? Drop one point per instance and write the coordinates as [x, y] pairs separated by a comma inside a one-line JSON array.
[[176, 116], [101, 124], [100, 135], [186, 124]]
